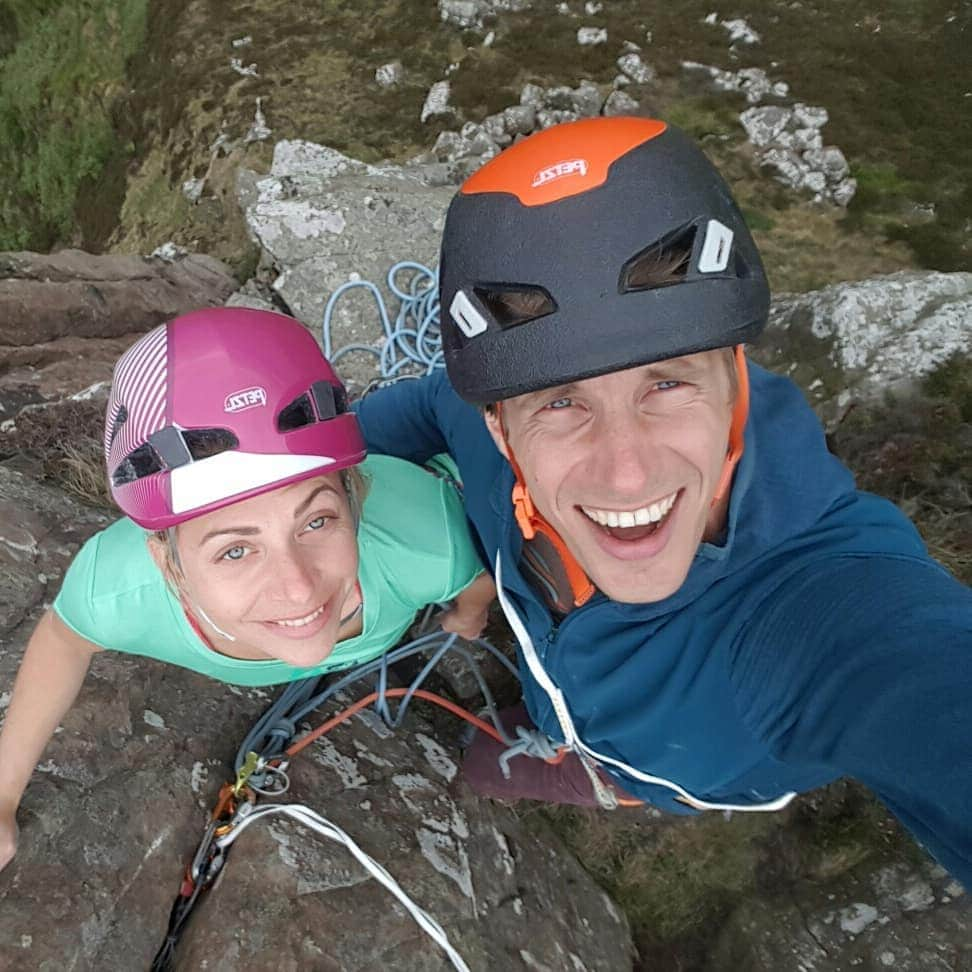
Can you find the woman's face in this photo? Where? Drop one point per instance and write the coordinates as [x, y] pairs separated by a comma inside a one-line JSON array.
[[276, 572]]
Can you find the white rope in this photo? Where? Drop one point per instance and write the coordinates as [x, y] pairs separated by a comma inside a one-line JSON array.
[[325, 828]]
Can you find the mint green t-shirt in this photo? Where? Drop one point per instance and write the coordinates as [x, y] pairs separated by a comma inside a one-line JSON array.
[[413, 549]]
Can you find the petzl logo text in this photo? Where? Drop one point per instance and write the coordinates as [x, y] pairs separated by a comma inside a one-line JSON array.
[[559, 170], [242, 400]]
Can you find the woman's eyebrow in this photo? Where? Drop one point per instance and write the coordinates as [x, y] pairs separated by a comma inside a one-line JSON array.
[[236, 531], [302, 509], [251, 531]]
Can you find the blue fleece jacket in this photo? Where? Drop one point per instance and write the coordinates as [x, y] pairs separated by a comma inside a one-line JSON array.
[[818, 640]]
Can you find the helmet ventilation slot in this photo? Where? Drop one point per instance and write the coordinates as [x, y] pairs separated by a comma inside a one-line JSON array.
[[660, 265], [510, 306]]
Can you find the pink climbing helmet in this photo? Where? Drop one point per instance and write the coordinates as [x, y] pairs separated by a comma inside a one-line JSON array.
[[220, 405]]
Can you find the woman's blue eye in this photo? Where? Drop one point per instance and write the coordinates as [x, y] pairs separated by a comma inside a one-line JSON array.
[[235, 553], [317, 523]]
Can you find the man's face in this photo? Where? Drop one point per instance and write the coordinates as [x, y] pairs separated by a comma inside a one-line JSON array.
[[624, 467]]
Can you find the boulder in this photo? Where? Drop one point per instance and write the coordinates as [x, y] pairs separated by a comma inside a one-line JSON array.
[[850, 342], [45, 297], [325, 219], [120, 801]]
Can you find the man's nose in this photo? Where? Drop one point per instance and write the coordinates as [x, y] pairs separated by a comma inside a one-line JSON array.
[[621, 452]]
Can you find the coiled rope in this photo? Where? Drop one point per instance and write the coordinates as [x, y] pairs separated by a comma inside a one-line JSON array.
[[412, 346]]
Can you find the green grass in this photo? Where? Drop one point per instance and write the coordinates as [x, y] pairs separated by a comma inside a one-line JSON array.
[[57, 89]]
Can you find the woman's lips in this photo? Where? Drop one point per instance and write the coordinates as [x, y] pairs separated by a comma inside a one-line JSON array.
[[301, 627]]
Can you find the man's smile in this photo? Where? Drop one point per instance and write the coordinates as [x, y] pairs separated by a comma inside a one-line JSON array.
[[643, 515]]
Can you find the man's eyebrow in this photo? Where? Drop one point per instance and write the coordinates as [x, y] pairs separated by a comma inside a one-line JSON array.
[[251, 531], [675, 367], [558, 391]]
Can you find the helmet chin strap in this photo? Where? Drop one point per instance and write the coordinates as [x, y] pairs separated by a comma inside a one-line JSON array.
[[740, 412], [531, 522]]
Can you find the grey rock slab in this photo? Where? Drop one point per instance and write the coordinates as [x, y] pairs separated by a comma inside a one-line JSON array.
[[437, 102], [324, 219], [765, 124], [851, 342], [495, 888], [55, 371], [632, 65], [587, 99], [40, 528], [905, 917], [389, 75]]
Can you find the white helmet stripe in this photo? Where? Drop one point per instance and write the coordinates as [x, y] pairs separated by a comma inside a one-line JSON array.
[[228, 474], [139, 385]]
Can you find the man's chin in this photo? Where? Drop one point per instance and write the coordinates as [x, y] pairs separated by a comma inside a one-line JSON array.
[[626, 584], [628, 593]]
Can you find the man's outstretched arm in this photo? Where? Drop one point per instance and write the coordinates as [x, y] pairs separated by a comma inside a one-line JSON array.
[[866, 666], [403, 420]]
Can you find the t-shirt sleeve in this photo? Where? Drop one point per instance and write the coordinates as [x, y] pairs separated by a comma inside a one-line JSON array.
[[74, 603], [865, 666]]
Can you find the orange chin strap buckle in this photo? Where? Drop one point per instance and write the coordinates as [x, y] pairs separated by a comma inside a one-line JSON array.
[[740, 412], [531, 523]]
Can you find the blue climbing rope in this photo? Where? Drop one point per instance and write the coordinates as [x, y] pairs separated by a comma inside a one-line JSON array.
[[412, 345]]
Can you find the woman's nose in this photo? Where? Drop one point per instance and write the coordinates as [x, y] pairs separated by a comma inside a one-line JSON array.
[[291, 576]]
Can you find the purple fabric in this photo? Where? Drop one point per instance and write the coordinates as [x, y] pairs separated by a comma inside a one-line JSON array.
[[530, 778]]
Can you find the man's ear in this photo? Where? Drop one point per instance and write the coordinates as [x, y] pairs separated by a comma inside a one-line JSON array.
[[494, 425]]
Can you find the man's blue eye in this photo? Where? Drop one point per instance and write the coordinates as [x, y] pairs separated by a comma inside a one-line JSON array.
[[666, 385], [560, 403]]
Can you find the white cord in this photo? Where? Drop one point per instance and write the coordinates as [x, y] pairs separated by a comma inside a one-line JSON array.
[[325, 828]]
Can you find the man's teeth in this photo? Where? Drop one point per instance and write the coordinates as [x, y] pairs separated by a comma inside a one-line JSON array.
[[300, 622], [629, 518]]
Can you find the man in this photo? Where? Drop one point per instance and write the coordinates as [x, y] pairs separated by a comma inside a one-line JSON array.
[[709, 615]]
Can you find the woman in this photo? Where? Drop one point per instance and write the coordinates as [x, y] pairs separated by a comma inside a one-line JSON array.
[[250, 551]]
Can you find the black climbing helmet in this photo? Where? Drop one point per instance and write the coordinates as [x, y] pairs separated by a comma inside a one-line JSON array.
[[546, 248]]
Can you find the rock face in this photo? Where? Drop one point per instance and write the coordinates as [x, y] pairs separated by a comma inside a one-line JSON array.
[[326, 219], [901, 917], [850, 342], [788, 142], [43, 298], [121, 797]]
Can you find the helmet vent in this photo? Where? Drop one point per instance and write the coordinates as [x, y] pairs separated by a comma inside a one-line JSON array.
[[203, 443], [331, 400], [121, 415], [519, 304], [296, 415], [143, 461], [170, 448], [660, 265]]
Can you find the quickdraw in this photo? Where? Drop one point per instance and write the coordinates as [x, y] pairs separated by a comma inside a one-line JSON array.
[[206, 864]]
